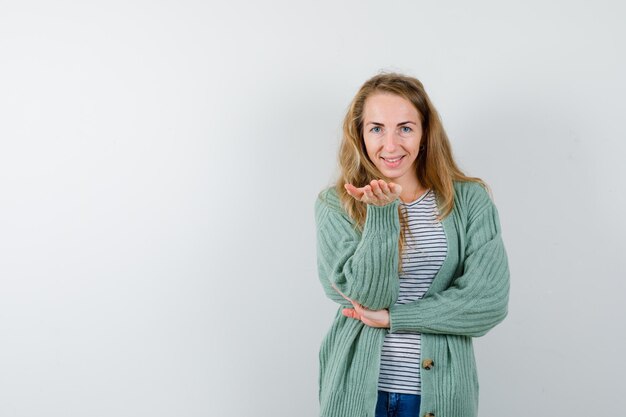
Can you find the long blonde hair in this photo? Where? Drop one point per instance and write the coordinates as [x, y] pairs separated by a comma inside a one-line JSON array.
[[436, 168]]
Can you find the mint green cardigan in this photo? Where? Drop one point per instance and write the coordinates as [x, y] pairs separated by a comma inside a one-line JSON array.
[[468, 296]]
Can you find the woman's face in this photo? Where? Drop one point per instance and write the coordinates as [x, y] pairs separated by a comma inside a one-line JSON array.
[[392, 131]]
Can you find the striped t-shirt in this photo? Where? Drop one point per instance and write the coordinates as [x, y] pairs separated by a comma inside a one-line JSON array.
[[424, 252]]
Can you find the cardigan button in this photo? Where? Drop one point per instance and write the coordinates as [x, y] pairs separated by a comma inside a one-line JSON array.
[[427, 364]]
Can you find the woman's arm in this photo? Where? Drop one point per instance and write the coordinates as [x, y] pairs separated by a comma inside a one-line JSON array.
[[477, 300], [365, 267]]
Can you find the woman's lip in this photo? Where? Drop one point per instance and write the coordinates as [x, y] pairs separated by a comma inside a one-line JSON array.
[[395, 157], [393, 164]]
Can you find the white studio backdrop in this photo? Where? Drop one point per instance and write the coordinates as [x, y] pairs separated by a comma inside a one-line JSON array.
[[159, 162]]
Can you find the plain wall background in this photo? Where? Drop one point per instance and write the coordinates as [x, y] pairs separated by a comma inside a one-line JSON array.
[[159, 162]]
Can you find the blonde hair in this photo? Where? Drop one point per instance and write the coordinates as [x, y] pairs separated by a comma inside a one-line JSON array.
[[435, 167]]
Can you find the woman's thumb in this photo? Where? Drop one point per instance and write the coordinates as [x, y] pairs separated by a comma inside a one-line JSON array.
[[395, 188]]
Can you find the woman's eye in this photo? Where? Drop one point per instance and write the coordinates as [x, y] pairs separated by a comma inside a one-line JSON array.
[[375, 131], [408, 129]]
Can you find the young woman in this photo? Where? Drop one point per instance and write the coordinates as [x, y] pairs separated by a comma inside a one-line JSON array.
[[411, 250]]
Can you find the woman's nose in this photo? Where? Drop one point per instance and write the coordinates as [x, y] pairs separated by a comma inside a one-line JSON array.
[[391, 141]]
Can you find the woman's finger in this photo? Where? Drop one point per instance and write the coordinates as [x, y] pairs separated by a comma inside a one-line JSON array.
[[384, 187], [378, 192], [353, 191], [396, 189], [349, 312], [358, 307]]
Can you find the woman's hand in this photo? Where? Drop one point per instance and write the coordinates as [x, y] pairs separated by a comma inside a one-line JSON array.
[[377, 192], [373, 318]]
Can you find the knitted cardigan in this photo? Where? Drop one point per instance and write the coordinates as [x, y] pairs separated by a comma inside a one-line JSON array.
[[468, 296]]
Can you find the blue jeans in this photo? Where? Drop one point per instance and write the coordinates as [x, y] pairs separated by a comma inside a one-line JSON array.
[[393, 404]]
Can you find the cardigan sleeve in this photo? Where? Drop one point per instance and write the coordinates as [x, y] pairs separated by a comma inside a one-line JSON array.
[[363, 266], [477, 300]]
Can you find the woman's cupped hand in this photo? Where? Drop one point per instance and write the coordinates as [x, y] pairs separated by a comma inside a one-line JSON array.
[[377, 192]]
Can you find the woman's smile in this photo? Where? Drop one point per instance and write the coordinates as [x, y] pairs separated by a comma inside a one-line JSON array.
[[393, 162]]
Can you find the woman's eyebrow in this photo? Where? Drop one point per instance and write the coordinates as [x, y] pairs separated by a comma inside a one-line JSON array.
[[382, 124]]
